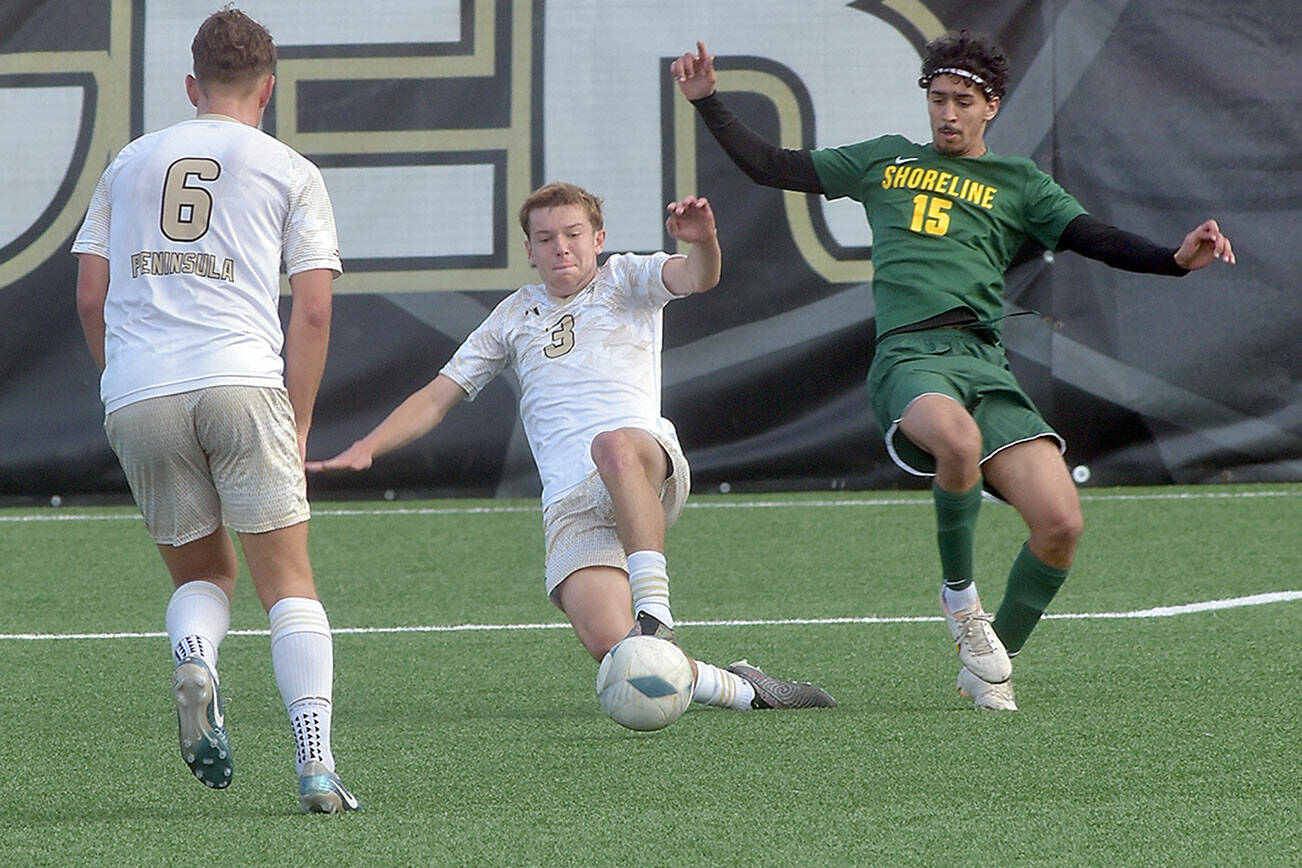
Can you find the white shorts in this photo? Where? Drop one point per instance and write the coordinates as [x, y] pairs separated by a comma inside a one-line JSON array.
[[579, 529], [222, 455]]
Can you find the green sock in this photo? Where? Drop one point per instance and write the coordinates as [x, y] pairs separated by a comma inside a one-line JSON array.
[[956, 520], [1031, 585]]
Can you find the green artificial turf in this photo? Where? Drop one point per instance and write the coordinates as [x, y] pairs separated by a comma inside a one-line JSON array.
[[1164, 740]]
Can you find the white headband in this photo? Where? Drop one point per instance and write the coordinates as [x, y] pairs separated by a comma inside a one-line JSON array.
[[961, 73]]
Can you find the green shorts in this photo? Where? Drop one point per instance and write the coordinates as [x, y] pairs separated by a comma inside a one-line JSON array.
[[963, 366]]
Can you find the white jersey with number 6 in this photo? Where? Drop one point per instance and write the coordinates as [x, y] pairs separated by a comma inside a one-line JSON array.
[[586, 364], [195, 221]]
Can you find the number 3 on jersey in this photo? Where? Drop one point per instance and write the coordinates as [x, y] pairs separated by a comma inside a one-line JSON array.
[[562, 338], [930, 214], [187, 208]]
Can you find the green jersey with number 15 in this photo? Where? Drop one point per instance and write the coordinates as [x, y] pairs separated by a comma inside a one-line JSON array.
[[944, 228]]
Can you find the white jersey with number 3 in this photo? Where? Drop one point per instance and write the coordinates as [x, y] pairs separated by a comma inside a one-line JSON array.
[[586, 364], [195, 221]]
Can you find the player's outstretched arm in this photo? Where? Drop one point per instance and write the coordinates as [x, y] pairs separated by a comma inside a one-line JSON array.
[[691, 221], [1204, 245], [763, 162], [413, 418]]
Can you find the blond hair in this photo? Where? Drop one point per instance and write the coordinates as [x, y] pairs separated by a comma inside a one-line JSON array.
[[559, 194]]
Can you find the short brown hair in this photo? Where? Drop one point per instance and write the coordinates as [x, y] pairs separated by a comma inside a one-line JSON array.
[[232, 48], [556, 195]]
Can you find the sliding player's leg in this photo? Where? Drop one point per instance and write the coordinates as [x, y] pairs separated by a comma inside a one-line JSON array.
[[633, 466], [598, 604]]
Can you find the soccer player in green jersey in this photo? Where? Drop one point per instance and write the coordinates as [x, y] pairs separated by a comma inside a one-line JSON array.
[[947, 218]]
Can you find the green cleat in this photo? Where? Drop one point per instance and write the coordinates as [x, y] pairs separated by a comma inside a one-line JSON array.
[[321, 792], [200, 723]]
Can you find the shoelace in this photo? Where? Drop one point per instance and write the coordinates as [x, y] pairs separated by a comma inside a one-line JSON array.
[[977, 638]]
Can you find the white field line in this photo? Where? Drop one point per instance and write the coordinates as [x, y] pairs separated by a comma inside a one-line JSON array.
[[1155, 612], [742, 504]]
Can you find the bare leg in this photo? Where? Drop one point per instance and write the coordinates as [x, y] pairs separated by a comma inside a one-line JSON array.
[[942, 427], [600, 608], [633, 466], [210, 559], [278, 563], [946, 430], [1034, 479], [599, 605]]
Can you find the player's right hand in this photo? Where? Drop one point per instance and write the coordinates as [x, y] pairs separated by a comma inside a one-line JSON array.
[[694, 73], [355, 457]]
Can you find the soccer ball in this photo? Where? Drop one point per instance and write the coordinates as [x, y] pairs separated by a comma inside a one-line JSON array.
[[645, 683]]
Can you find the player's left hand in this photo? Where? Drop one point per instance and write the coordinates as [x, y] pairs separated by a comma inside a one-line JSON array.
[[691, 220], [1204, 245]]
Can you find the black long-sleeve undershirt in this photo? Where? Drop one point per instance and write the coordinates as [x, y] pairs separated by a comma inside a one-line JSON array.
[[793, 169], [763, 162], [1118, 248]]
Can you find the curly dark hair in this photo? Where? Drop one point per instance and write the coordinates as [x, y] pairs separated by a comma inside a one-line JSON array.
[[974, 53], [232, 48]]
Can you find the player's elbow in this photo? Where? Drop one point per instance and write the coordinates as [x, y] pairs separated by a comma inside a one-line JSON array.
[[90, 308], [313, 314]]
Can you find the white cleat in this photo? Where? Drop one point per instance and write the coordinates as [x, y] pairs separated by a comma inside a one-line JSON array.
[[979, 647], [984, 695]]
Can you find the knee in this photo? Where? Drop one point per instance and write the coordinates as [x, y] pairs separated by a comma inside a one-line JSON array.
[[615, 454], [1058, 531], [957, 446]]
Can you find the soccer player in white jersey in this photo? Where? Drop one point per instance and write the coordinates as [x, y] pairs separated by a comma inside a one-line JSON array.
[[585, 345], [178, 290]]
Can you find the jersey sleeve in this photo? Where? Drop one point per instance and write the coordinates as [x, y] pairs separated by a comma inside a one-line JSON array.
[[94, 234], [841, 169], [1049, 208], [481, 356], [641, 278], [310, 237]]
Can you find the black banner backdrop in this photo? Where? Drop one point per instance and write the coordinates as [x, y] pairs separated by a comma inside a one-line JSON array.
[[431, 126]]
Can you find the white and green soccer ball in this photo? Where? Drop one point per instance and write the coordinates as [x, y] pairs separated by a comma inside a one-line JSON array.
[[644, 683]]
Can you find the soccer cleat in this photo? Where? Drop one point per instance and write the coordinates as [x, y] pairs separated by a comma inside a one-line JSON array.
[[979, 648], [200, 723], [984, 695], [321, 792], [649, 625], [771, 692]]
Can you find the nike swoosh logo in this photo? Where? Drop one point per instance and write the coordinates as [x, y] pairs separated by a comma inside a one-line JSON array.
[[900, 160]]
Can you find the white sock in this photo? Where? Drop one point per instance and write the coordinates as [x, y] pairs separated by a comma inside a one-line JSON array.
[[198, 616], [310, 719], [302, 655], [719, 687], [649, 580], [956, 601]]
